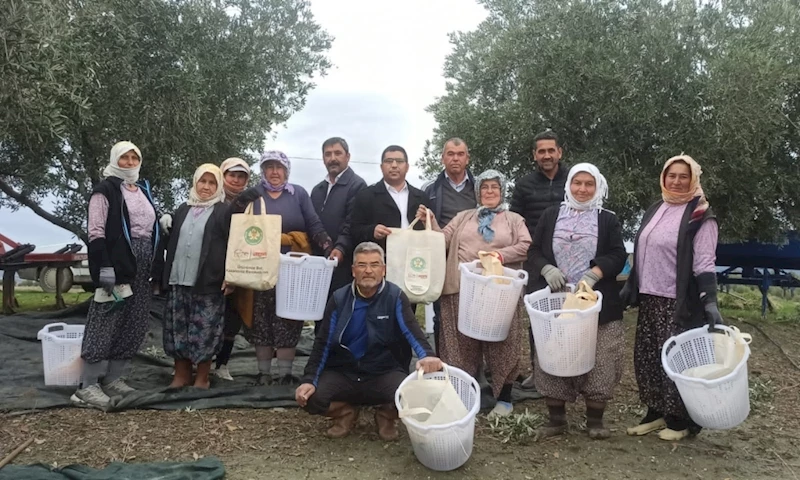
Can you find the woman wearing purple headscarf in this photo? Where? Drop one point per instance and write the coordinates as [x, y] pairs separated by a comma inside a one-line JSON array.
[[300, 225]]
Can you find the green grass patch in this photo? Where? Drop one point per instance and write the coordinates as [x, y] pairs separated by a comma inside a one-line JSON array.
[[744, 302], [32, 301]]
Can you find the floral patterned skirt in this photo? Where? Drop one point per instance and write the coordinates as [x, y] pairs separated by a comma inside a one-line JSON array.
[[598, 384], [193, 324], [654, 327]]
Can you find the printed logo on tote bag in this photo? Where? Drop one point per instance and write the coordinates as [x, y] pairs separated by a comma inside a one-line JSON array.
[[253, 235], [418, 278]]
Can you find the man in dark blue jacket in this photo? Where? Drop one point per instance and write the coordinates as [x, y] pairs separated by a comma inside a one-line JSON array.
[[452, 192], [358, 357]]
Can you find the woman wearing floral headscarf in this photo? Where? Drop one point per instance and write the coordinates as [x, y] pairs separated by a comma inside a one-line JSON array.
[[122, 234], [300, 226], [492, 228], [580, 241], [674, 283], [193, 276]]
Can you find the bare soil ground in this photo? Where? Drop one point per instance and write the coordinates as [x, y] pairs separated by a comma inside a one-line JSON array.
[[288, 444]]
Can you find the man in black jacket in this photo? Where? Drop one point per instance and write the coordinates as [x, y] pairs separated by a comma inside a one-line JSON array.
[[452, 192], [333, 200], [537, 191], [358, 357], [391, 202]]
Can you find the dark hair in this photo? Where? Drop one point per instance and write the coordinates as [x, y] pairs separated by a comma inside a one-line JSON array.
[[546, 135], [394, 148], [333, 141]]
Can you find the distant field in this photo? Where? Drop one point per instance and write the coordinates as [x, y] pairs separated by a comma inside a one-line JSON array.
[[33, 299]]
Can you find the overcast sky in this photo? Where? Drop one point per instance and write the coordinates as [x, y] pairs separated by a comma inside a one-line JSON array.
[[387, 67]]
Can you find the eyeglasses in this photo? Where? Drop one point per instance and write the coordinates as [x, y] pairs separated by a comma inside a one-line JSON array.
[[371, 266], [488, 188], [389, 161]]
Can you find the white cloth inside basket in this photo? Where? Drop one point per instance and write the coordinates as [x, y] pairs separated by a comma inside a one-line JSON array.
[[431, 401], [729, 350]]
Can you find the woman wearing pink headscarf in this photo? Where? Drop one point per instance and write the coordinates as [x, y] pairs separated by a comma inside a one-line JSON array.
[[674, 283]]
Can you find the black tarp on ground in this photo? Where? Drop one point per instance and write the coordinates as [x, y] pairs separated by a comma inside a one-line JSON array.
[[22, 376], [209, 468]]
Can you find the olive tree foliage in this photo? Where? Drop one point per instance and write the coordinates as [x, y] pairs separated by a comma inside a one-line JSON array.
[[629, 83], [188, 81]]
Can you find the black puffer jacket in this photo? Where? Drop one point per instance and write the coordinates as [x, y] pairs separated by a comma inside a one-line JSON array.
[[534, 193]]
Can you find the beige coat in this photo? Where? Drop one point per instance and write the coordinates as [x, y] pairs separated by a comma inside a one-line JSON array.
[[463, 241]]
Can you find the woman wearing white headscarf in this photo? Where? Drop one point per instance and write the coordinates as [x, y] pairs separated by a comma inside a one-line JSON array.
[[493, 228], [122, 234], [193, 276], [581, 241]]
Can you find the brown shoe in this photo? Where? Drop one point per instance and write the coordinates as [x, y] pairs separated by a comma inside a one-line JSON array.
[[344, 418], [386, 421]]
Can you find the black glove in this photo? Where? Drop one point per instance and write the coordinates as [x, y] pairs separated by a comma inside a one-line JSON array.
[[707, 283], [626, 294], [248, 196]]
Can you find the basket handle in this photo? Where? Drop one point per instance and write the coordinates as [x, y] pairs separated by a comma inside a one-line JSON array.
[[521, 274], [53, 327], [421, 373]]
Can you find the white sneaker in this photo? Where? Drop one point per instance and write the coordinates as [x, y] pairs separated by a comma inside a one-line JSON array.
[[118, 387], [223, 373], [91, 396], [501, 409]]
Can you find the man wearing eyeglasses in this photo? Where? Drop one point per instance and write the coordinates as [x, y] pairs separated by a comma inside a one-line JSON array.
[[359, 356], [390, 203]]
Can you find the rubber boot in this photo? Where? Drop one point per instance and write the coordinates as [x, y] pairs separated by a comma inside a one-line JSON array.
[[344, 418], [594, 420], [386, 421], [558, 419]]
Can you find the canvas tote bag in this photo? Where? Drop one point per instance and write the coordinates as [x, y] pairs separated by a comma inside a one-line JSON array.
[[431, 401], [416, 261], [254, 250]]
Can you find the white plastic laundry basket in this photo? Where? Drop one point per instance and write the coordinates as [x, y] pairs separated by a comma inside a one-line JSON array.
[[485, 307], [302, 289], [565, 347], [445, 447], [61, 353], [719, 404]]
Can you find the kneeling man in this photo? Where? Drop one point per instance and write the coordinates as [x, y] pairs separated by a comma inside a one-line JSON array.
[[357, 357]]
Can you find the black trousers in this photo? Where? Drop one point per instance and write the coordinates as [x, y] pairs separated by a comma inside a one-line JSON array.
[[338, 387], [233, 323]]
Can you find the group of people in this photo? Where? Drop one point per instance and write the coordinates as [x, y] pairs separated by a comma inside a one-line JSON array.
[[555, 227]]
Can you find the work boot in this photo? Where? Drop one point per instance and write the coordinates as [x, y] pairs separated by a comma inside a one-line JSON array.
[[344, 418], [386, 421]]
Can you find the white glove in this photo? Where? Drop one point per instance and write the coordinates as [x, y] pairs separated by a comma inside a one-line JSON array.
[[165, 222]]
